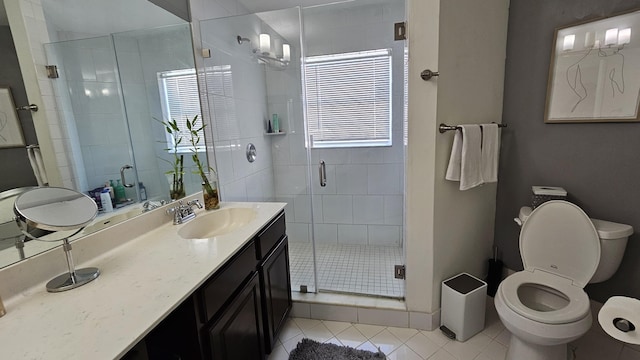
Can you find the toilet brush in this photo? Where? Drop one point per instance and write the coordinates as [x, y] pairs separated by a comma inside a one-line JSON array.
[[495, 273]]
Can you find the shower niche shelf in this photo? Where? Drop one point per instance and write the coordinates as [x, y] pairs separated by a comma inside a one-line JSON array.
[[275, 134]]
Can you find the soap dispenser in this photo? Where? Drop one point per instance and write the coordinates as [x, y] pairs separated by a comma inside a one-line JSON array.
[[121, 195]]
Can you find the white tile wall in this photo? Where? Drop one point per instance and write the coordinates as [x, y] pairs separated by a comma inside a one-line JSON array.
[[238, 108]]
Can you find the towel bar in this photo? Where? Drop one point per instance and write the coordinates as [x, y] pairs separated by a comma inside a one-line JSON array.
[[444, 127]]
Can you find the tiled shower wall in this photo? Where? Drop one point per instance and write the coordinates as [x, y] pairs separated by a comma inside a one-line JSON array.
[[236, 92], [89, 73], [363, 200]]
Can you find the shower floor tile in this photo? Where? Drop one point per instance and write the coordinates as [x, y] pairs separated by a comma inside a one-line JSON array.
[[356, 269]]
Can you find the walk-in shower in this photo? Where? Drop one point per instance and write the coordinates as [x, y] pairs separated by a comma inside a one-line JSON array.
[[320, 92]]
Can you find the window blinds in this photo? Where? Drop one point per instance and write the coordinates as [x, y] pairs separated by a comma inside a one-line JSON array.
[[348, 99]]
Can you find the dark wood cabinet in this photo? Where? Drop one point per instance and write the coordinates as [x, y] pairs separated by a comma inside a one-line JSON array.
[[237, 313], [237, 333], [276, 291]]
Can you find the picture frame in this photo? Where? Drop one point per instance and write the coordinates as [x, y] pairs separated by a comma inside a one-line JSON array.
[[594, 74], [10, 128]]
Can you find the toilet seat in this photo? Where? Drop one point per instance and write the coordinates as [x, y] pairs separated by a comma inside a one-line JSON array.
[[559, 238], [577, 308]]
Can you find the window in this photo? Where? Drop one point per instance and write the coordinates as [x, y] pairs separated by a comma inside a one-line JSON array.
[[348, 99], [180, 101]]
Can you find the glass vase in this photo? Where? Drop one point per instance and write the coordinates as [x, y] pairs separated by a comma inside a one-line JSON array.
[[176, 187], [210, 191]]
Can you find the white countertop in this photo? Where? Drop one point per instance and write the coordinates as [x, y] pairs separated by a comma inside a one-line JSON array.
[[141, 282]]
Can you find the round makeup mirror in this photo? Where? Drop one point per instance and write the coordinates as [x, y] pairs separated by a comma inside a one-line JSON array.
[[54, 214]]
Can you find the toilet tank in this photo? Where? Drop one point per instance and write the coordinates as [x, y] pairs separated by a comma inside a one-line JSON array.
[[613, 242]]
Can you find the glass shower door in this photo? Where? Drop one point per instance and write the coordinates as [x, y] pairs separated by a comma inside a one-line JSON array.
[[355, 95], [253, 85]]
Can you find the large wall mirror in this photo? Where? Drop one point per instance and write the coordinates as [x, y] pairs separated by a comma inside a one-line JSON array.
[[123, 67]]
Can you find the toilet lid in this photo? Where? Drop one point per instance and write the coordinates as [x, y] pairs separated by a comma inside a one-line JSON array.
[[576, 309], [558, 237]]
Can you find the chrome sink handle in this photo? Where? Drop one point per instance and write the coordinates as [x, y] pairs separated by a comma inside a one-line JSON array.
[[150, 205], [194, 202], [183, 212]]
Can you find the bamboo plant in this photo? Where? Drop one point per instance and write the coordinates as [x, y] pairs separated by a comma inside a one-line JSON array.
[[210, 191], [176, 174]]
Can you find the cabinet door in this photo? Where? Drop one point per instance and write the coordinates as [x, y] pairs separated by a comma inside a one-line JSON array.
[[276, 290], [237, 333]]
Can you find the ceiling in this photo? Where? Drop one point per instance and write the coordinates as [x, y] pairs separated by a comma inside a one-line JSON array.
[[102, 17], [254, 6]]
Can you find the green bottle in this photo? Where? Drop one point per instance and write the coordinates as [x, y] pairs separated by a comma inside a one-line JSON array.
[[121, 196]]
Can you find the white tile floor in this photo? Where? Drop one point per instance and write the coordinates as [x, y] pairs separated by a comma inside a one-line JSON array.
[[411, 344], [358, 269]]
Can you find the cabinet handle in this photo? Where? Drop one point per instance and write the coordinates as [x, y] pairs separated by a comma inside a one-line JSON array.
[[323, 174]]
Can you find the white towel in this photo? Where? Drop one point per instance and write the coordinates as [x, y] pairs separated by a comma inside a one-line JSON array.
[[490, 152], [35, 158], [465, 160]]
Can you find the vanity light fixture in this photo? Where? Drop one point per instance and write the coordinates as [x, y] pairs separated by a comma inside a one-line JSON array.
[[265, 56]]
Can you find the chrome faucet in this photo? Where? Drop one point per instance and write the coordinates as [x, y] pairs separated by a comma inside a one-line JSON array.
[[184, 212], [150, 205]]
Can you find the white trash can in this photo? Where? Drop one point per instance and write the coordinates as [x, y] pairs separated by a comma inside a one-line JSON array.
[[463, 306]]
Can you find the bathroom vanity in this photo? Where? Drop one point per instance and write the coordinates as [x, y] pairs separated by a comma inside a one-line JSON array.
[[237, 313], [160, 295]]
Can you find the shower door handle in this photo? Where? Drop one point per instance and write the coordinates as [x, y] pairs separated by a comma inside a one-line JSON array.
[[323, 174], [124, 181]]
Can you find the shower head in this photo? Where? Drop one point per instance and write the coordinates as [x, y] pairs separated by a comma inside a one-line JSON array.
[[242, 40]]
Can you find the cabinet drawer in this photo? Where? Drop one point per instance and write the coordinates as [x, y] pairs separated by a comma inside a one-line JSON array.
[[269, 236], [217, 291]]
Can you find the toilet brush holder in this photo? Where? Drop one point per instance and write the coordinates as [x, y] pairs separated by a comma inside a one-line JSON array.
[[494, 277]]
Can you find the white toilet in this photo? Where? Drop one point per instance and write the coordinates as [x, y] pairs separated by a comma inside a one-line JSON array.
[[544, 306]]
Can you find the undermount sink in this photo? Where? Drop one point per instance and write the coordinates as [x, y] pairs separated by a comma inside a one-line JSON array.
[[106, 221], [218, 222]]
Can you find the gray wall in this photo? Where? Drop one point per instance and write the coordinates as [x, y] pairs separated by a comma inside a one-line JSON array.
[[16, 170], [598, 164]]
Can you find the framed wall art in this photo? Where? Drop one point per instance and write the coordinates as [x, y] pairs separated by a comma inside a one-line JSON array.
[[594, 74], [10, 129]]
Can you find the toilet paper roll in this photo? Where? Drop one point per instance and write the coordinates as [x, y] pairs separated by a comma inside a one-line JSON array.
[[621, 313]]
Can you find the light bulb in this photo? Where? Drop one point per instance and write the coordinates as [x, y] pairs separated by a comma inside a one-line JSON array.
[[286, 52], [568, 42], [611, 37], [624, 36], [265, 43]]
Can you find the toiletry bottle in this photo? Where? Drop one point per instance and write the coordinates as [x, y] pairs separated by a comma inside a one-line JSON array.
[[269, 128], [105, 200], [113, 186], [275, 123], [121, 196], [143, 191], [112, 193]]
